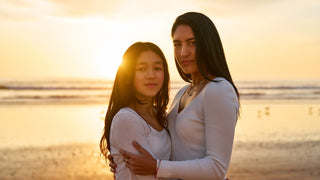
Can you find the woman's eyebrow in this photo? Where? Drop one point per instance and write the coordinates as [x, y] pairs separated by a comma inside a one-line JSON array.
[[189, 39]]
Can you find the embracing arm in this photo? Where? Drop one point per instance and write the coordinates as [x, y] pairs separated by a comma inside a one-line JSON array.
[[124, 130], [143, 163], [220, 116]]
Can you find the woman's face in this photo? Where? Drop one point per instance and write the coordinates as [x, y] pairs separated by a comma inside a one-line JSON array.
[[185, 49], [149, 75]]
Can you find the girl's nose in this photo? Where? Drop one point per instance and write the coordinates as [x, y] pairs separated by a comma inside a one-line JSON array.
[[150, 74]]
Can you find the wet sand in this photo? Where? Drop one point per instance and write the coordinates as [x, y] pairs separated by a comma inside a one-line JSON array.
[[71, 161], [273, 141], [273, 160]]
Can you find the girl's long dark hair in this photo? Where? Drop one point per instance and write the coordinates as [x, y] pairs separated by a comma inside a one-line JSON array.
[[210, 56], [123, 91]]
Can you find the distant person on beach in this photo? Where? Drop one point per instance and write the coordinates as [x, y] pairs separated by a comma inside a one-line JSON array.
[[137, 108], [203, 114]]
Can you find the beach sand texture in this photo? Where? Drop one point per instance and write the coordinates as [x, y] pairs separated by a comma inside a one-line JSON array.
[[298, 160], [272, 141]]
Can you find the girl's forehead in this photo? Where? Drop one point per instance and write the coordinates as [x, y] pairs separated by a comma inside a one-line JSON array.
[[149, 57]]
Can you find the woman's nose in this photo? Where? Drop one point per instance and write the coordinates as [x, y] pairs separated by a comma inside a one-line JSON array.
[[184, 51]]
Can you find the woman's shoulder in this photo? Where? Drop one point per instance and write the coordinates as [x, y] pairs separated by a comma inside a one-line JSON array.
[[183, 89], [220, 87], [178, 95]]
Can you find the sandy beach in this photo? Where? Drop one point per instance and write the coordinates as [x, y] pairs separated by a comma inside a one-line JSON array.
[[71, 161], [273, 141], [298, 160], [275, 160]]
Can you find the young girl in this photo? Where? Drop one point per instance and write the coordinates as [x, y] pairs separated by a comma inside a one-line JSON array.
[[137, 108]]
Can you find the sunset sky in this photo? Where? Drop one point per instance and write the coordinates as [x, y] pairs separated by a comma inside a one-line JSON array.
[[274, 39]]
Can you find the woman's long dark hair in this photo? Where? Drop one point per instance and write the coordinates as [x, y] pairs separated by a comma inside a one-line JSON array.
[[123, 91], [210, 56]]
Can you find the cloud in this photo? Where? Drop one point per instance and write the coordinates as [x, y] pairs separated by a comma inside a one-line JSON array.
[[232, 7], [25, 10], [120, 9], [76, 8], [16, 10], [19, 3]]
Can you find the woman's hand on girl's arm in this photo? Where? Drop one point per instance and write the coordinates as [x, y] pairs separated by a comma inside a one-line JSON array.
[[140, 164], [112, 165]]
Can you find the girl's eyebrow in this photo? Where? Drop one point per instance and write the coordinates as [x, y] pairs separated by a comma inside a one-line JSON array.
[[144, 63], [158, 62]]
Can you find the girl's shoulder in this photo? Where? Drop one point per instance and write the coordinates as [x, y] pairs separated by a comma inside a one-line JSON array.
[[125, 115], [128, 118]]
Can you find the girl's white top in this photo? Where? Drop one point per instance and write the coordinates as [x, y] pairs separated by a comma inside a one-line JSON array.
[[202, 133], [127, 126]]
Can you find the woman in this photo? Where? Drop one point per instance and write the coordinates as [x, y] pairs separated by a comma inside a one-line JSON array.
[[137, 107], [203, 115]]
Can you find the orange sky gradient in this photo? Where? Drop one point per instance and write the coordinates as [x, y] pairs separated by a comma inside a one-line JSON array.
[[263, 40]]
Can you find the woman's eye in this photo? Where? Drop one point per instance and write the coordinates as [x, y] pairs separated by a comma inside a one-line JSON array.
[[192, 42], [176, 45]]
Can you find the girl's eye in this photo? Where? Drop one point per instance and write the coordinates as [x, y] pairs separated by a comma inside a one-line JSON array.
[[158, 68], [141, 69], [192, 42], [176, 45]]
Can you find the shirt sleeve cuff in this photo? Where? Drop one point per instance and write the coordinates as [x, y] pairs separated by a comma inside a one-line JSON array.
[[164, 170]]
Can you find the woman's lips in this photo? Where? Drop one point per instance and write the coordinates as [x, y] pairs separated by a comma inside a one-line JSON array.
[[186, 62]]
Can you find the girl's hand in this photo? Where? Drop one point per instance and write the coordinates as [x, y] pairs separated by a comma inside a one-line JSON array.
[[140, 164]]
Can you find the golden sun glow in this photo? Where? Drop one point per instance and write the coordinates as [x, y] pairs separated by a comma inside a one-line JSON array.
[[109, 51], [108, 59], [61, 39], [111, 40]]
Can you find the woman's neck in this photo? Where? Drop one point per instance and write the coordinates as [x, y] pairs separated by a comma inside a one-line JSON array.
[[197, 78]]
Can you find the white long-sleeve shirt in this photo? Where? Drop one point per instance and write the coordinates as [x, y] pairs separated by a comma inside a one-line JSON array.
[[202, 133], [127, 126]]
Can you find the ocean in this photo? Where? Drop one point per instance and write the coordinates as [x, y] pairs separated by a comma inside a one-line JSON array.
[[53, 112], [98, 91]]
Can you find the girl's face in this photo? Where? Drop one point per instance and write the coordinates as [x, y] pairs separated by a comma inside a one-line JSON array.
[[149, 75], [185, 49]]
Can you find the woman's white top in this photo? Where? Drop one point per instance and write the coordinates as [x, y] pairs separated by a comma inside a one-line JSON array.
[[127, 126], [202, 133]]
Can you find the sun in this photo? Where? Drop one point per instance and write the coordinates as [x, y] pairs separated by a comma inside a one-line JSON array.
[[108, 54], [107, 60], [112, 40]]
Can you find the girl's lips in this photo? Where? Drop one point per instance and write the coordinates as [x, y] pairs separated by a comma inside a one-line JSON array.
[[151, 85]]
